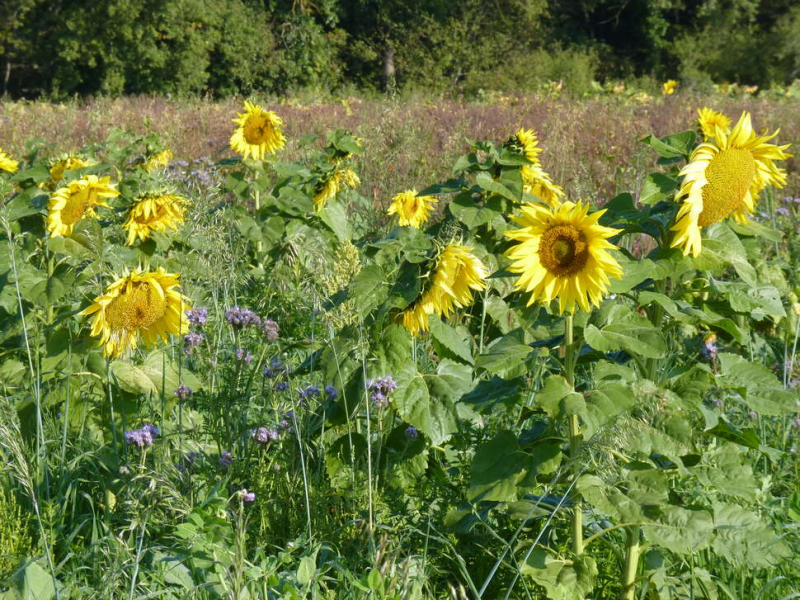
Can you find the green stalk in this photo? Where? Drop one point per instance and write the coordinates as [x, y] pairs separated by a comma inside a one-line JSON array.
[[574, 439], [632, 551]]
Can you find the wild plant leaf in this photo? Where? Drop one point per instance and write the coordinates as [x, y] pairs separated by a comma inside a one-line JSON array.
[[504, 355], [369, 289], [488, 394], [722, 247], [496, 469], [558, 399], [434, 417], [486, 182], [758, 386], [745, 540], [474, 214], [448, 341], [627, 331], [335, 217], [657, 187]]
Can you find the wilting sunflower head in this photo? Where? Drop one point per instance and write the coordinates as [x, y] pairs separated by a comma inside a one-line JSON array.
[[327, 188], [7, 163], [142, 304], [562, 253], [725, 176], [537, 182], [258, 132], [61, 166], [668, 87], [456, 274], [411, 209], [154, 212], [158, 160], [709, 120], [69, 204]]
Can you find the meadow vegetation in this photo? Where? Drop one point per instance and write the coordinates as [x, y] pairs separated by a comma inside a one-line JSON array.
[[527, 347]]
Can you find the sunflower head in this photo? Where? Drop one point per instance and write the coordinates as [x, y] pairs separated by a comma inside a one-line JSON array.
[[537, 182], [668, 87], [61, 165], [157, 160], [154, 212], [455, 275], [412, 210], [8, 164], [709, 120], [725, 176], [258, 133], [526, 143], [146, 305], [76, 200], [328, 187], [562, 253]]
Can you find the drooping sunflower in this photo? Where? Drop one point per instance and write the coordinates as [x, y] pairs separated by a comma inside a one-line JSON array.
[[140, 304], [456, 274], [61, 166], [562, 253], [7, 163], [76, 200], [709, 119], [535, 180], [258, 132], [154, 212], [158, 160], [411, 209], [725, 175], [668, 87], [327, 188]]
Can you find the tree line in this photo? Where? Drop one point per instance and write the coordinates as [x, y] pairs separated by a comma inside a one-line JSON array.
[[62, 48]]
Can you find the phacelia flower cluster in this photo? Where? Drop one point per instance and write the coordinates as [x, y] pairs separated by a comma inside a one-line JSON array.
[[380, 389], [240, 318], [270, 329], [264, 436], [191, 341], [197, 317], [143, 437], [183, 392]]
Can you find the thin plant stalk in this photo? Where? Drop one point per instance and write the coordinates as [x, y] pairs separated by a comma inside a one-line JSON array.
[[574, 438]]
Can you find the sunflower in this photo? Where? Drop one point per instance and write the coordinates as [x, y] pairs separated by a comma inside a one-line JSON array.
[[725, 175], [158, 160], [140, 303], [535, 180], [411, 209], [709, 120], [668, 87], [457, 273], [258, 132], [329, 187], [562, 253], [77, 199], [7, 163], [154, 212], [61, 166]]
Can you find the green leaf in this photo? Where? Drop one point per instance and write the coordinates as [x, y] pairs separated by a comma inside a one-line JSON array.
[[637, 271], [35, 582], [488, 394], [496, 469], [78, 248], [627, 331], [131, 378], [369, 289], [450, 341], [334, 216], [558, 399], [745, 540], [306, 570], [657, 187], [485, 181], [474, 214], [755, 229], [678, 145], [435, 417], [722, 247], [504, 355], [758, 386]]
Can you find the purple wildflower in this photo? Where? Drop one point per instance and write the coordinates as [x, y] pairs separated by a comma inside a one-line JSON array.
[[262, 435], [796, 423], [331, 392], [153, 430], [225, 459], [244, 355], [782, 210], [411, 432], [381, 388], [240, 318], [281, 386], [247, 496], [191, 341], [310, 392], [275, 369], [271, 329], [710, 350], [197, 316], [183, 392], [141, 438]]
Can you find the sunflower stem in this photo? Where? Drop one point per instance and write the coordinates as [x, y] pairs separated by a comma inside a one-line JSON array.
[[632, 551], [574, 438]]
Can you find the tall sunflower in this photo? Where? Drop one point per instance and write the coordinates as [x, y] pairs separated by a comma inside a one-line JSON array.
[[562, 253], [61, 166], [258, 132], [411, 209], [328, 187], [77, 199], [668, 87], [141, 304], [535, 180], [456, 274], [154, 212], [158, 160], [7, 163], [709, 119], [725, 175]]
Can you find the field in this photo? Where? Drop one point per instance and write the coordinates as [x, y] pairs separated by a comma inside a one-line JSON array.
[[241, 374]]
